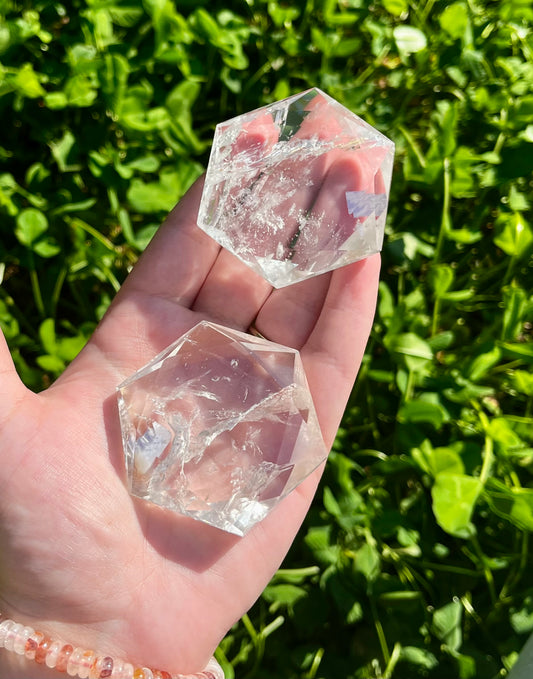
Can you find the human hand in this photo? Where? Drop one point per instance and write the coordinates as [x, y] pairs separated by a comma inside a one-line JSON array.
[[82, 559]]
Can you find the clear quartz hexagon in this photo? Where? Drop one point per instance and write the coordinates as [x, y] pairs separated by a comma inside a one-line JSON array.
[[219, 427], [297, 188]]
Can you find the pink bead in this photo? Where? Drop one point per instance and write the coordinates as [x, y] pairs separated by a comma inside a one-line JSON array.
[[106, 668], [87, 660], [20, 642], [85, 664], [118, 669], [118, 664], [73, 664], [127, 671], [33, 644], [214, 669], [53, 654]]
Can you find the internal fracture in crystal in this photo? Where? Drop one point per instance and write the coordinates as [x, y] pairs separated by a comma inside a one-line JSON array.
[[219, 427], [297, 188]]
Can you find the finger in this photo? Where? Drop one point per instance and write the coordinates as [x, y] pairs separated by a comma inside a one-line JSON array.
[[289, 314], [177, 261], [334, 350], [255, 139], [332, 355], [323, 230], [263, 186], [232, 293]]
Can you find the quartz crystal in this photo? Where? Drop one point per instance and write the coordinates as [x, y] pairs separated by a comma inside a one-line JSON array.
[[219, 427], [297, 188]]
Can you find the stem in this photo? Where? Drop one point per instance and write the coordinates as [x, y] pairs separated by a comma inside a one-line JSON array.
[[499, 143], [435, 316], [304, 572], [272, 626], [223, 660], [110, 277], [445, 216], [524, 554], [36, 289], [510, 269], [379, 631], [257, 640], [501, 137], [486, 570], [371, 68], [426, 11], [315, 664], [488, 459], [265, 68], [456, 570], [409, 387], [514, 577], [80, 224], [467, 605], [250, 628], [56, 292], [395, 656], [413, 145]]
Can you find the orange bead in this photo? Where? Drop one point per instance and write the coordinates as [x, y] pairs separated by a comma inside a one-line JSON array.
[[62, 658], [138, 673], [42, 650]]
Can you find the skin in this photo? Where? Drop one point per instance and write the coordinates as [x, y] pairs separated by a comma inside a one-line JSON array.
[[79, 557]]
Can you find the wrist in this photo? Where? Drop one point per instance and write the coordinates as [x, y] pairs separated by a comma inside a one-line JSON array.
[[25, 650]]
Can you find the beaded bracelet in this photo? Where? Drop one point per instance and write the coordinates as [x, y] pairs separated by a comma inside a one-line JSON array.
[[80, 662]]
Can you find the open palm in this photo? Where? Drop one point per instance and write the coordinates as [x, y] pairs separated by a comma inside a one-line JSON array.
[[82, 559]]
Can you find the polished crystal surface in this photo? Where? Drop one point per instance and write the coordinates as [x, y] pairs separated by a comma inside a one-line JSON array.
[[297, 188], [220, 426]]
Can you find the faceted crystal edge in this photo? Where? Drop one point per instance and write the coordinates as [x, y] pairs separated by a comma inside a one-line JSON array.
[[243, 512], [371, 131], [154, 362], [281, 274], [215, 164]]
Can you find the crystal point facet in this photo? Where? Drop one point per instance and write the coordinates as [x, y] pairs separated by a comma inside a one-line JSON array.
[[297, 188], [220, 426]]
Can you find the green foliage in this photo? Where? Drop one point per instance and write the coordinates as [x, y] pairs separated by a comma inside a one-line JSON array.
[[414, 559]]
